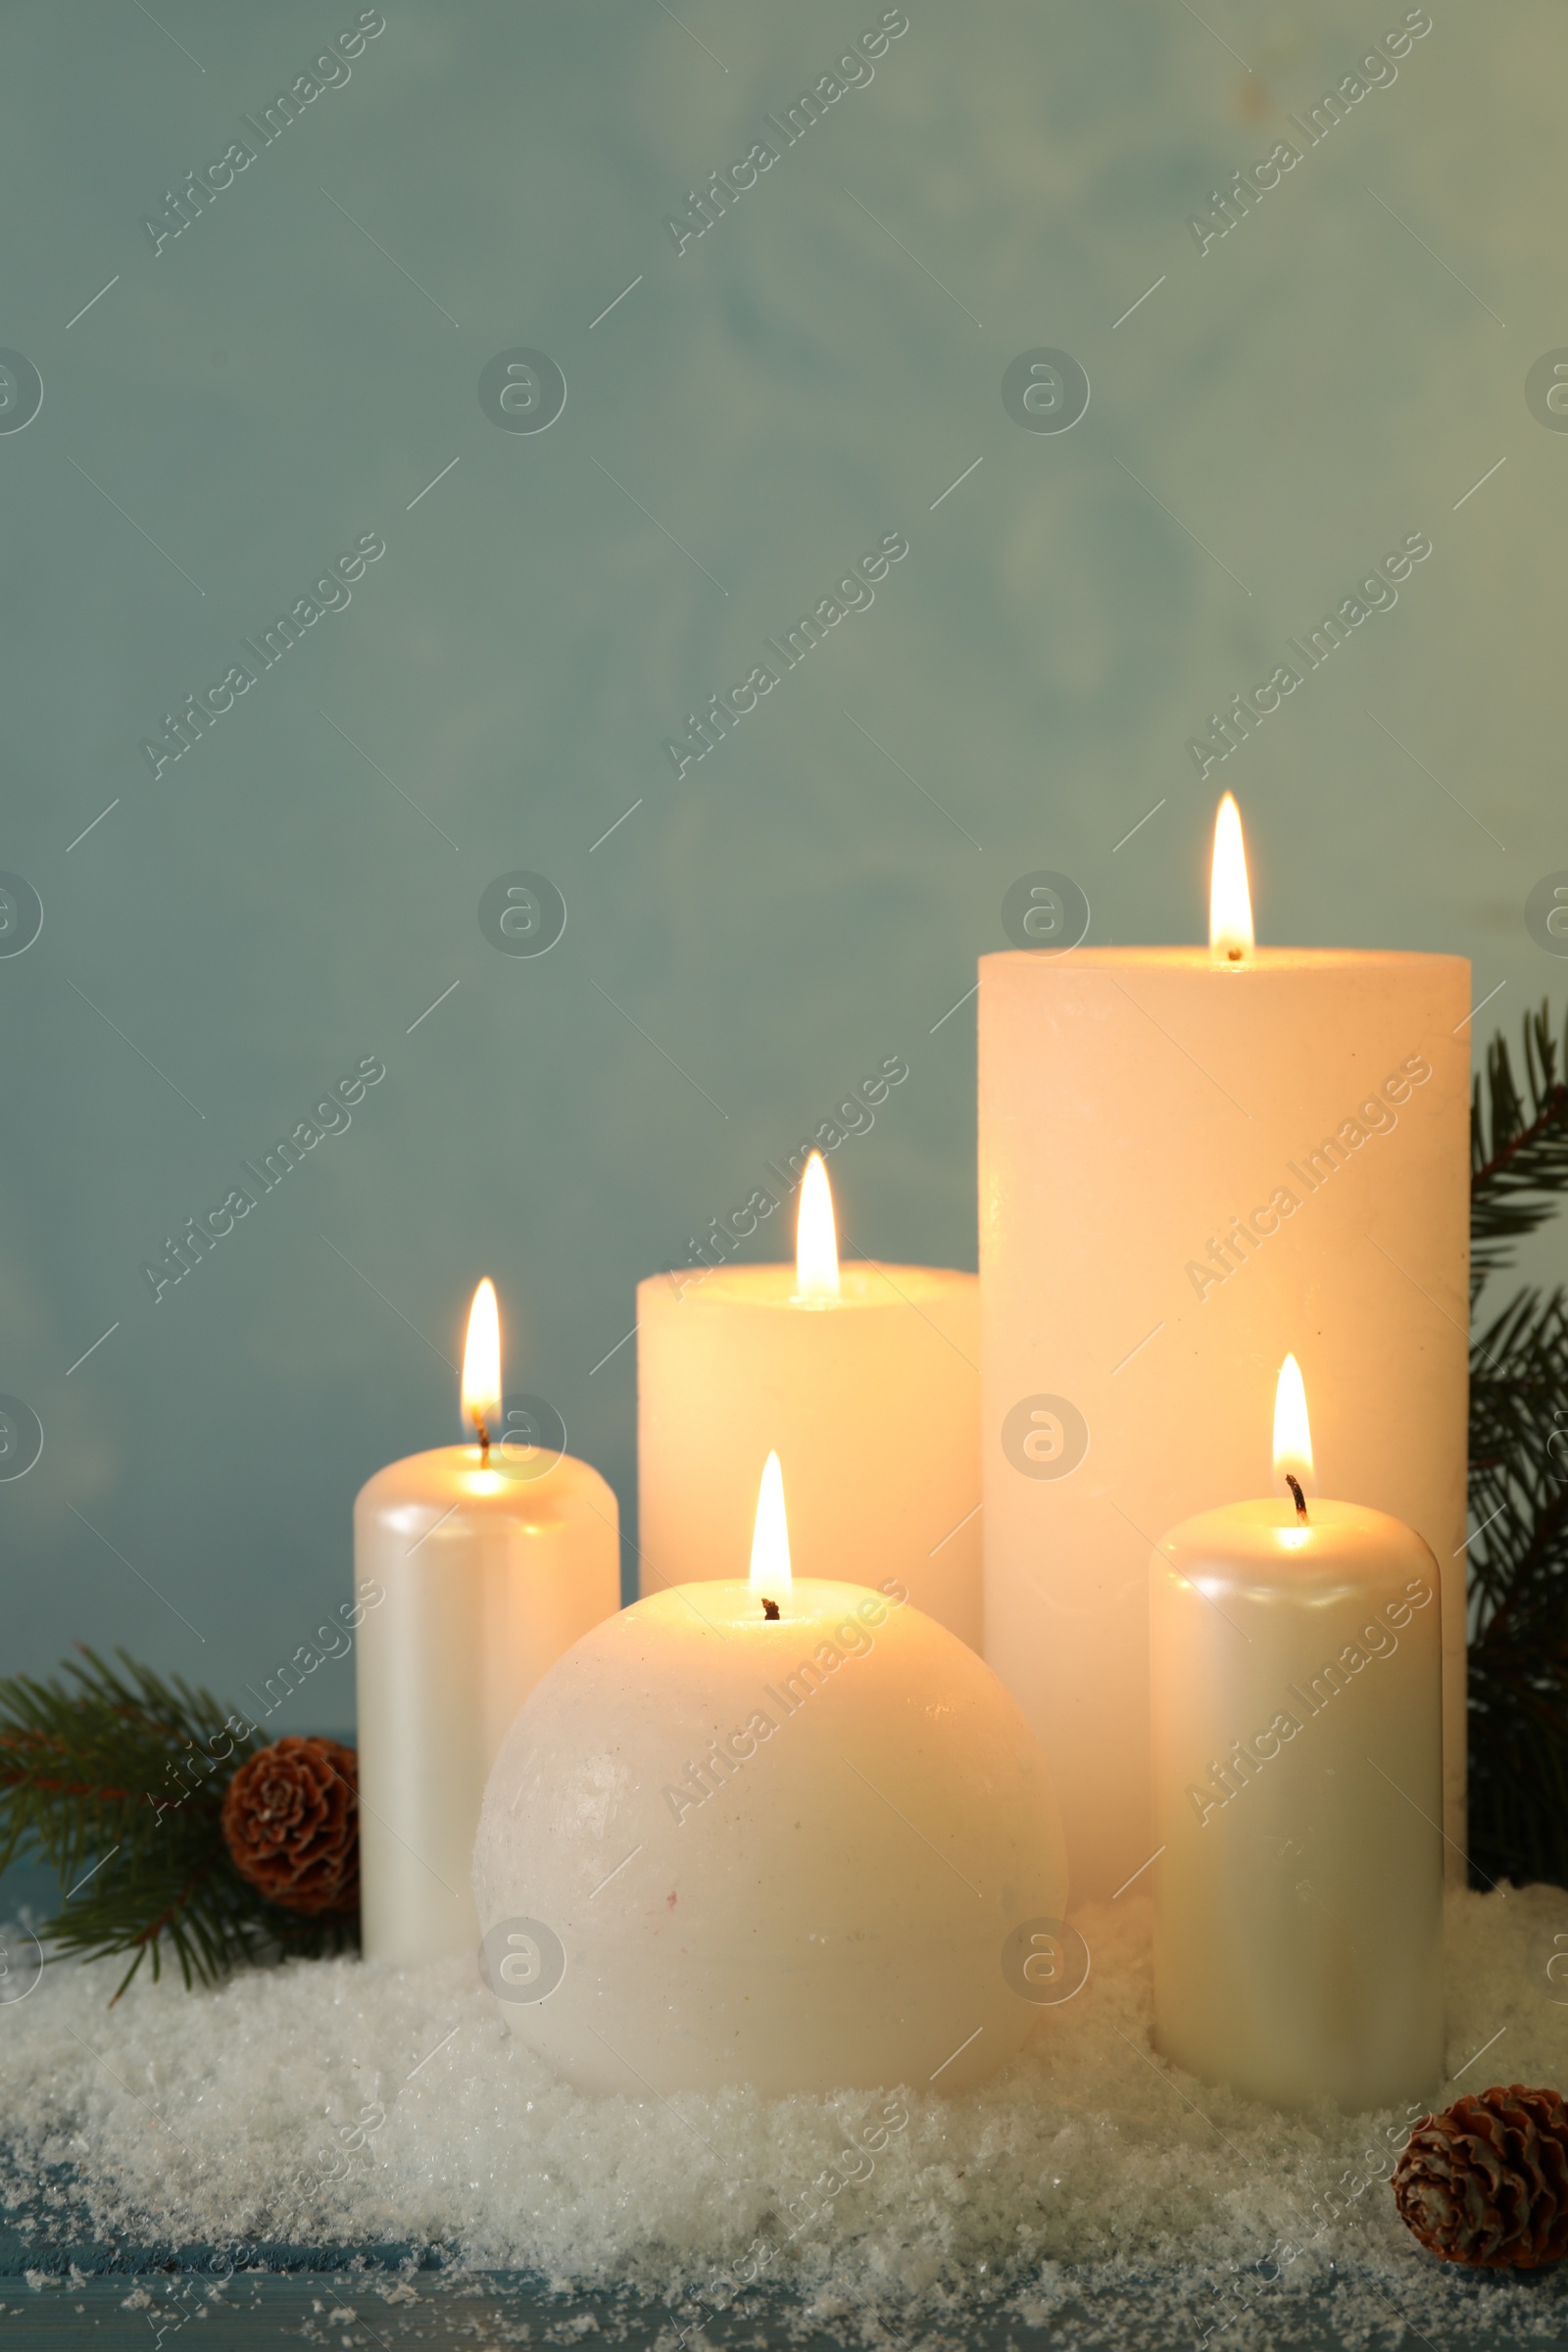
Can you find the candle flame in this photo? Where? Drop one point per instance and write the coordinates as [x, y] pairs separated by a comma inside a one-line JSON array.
[[481, 1365], [816, 1248], [771, 1537], [1230, 901], [1293, 1432]]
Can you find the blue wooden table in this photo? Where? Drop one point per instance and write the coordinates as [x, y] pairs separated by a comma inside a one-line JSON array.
[[86, 2295]]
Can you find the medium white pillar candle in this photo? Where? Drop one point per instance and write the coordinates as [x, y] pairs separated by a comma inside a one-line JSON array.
[[801, 1850], [864, 1380], [1188, 1166], [493, 1558], [1296, 1671]]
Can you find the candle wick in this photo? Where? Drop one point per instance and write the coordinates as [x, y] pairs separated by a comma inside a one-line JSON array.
[[770, 1611], [1295, 1486], [483, 1435]]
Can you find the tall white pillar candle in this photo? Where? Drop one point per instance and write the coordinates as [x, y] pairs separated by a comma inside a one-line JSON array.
[[492, 1559], [1188, 1164], [1295, 1670], [863, 1380]]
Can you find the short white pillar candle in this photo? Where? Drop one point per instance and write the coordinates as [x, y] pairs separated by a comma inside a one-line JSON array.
[[489, 1560], [863, 1379], [1298, 1780]]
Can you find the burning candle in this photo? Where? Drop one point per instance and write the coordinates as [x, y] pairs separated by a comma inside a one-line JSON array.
[[1296, 1663], [491, 1559], [1187, 1156], [779, 1832], [864, 1378]]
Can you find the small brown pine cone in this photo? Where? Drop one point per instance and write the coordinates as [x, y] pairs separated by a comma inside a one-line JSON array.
[[291, 1820], [1487, 2181]]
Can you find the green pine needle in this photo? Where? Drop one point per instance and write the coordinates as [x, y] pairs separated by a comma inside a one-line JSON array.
[[1518, 1614], [1519, 1593], [1519, 1153], [117, 1781]]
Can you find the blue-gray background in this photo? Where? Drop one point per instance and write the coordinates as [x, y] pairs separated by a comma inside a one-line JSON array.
[[758, 409]]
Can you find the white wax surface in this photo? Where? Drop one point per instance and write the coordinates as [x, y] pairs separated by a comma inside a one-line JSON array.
[[487, 1573], [1297, 1736], [786, 1854], [871, 1402], [1132, 1101]]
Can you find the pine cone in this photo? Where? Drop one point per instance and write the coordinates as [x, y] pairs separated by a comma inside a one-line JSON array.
[[291, 1820], [1486, 2181]]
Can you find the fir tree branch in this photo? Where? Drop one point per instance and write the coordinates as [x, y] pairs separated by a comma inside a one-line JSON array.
[[1518, 1675], [1518, 1555], [1518, 1146], [116, 1777]]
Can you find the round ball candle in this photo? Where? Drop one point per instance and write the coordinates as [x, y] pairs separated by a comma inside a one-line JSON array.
[[790, 1834], [1295, 1654], [475, 1566], [1189, 1158], [864, 1379]]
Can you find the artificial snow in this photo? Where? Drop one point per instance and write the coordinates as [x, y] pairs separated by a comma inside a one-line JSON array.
[[344, 2103]]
